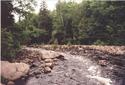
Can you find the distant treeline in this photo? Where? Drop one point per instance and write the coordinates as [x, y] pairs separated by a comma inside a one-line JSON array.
[[89, 22]]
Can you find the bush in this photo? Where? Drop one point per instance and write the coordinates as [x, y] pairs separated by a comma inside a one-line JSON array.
[[99, 42], [9, 47]]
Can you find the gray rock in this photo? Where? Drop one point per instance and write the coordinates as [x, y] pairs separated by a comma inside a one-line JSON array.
[[47, 70]]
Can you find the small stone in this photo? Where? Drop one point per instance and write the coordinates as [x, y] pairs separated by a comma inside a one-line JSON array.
[[37, 72], [41, 61], [10, 83], [23, 78], [55, 63], [61, 57], [36, 64], [42, 65], [48, 60], [55, 59], [47, 70], [30, 74], [103, 62], [48, 64], [80, 48]]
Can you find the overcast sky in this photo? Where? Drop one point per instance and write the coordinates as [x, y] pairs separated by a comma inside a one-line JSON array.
[[51, 4]]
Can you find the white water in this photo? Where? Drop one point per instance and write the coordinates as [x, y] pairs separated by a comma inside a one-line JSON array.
[[86, 71], [92, 68]]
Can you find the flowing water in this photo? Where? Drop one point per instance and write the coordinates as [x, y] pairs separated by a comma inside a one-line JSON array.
[[77, 70], [74, 70]]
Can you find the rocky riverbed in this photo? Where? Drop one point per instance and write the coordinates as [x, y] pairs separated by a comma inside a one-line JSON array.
[[73, 65]]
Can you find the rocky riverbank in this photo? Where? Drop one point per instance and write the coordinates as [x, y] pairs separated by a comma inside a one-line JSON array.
[[73, 65]]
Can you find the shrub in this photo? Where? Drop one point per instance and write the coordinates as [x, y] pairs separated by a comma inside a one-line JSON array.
[[99, 42], [9, 47]]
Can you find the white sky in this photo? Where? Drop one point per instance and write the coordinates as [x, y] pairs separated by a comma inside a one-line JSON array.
[[51, 5]]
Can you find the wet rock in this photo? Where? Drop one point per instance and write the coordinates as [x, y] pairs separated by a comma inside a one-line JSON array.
[[35, 64], [37, 72], [47, 70], [10, 83], [13, 71], [61, 57]]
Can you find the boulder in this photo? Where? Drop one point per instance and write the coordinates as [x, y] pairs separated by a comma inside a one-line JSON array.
[[13, 71], [49, 54], [43, 54]]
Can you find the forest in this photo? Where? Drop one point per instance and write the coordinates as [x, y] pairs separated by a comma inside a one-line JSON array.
[[86, 23]]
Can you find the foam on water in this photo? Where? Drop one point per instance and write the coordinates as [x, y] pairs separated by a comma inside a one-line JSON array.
[[93, 69]]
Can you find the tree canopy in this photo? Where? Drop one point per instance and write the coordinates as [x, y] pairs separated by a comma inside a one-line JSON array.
[[89, 22]]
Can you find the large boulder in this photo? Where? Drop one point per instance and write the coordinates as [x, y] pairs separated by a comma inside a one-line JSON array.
[[43, 54], [13, 71]]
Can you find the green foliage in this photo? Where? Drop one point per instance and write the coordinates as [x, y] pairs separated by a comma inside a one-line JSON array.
[[23, 7], [54, 46], [89, 22], [45, 23], [102, 21], [64, 22], [37, 35], [8, 45], [99, 42]]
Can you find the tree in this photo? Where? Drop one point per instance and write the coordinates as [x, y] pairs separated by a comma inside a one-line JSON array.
[[9, 47], [23, 7], [102, 21], [116, 26], [45, 23], [64, 23], [6, 14], [9, 43]]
